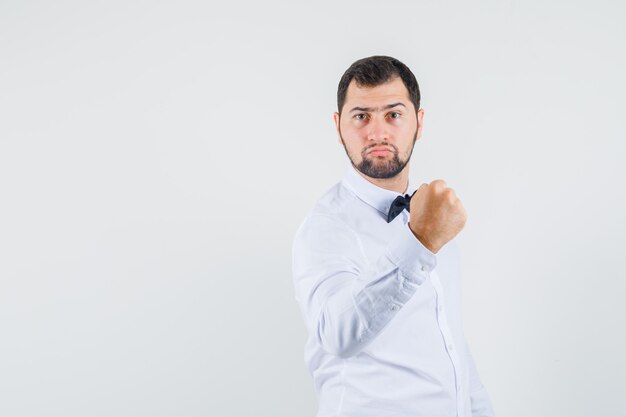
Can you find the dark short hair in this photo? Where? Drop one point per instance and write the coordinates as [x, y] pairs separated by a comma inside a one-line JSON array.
[[376, 70]]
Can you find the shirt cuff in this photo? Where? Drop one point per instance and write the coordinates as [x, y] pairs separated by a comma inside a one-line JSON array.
[[413, 259]]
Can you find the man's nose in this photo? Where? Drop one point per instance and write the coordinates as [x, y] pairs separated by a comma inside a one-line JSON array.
[[377, 129]]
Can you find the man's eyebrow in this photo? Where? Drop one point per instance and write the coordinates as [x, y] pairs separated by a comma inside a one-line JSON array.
[[371, 109]]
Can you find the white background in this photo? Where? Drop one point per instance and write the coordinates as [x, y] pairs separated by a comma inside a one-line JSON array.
[[156, 158]]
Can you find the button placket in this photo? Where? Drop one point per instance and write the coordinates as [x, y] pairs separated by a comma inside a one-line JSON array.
[[445, 330]]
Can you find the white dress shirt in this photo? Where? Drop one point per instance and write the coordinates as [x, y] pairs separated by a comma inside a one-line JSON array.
[[383, 313]]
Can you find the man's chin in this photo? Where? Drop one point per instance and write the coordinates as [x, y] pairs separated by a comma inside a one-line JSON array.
[[378, 161], [378, 173]]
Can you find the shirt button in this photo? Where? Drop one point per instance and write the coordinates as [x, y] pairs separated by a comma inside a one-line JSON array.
[[423, 268], [395, 307]]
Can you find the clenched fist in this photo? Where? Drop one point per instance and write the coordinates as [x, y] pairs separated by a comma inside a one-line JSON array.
[[436, 215]]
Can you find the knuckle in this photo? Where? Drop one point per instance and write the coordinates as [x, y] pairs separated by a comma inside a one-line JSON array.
[[438, 186], [449, 195]]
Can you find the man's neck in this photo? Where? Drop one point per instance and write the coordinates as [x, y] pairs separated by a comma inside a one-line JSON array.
[[398, 184]]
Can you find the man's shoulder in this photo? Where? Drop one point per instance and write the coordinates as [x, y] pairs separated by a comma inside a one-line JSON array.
[[334, 202], [333, 206]]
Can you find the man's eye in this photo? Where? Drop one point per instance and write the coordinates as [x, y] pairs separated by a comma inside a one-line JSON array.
[[359, 116], [394, 115]]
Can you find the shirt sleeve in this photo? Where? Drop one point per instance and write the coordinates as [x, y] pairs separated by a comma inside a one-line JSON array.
[[346, 299]]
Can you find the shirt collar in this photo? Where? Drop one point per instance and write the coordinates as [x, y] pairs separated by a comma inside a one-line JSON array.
[[375, 196]]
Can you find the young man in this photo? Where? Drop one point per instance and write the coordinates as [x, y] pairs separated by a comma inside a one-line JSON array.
[[376, 270]]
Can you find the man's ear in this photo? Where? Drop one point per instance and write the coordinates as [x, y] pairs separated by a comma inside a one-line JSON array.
[[420, 123], [336, 119]]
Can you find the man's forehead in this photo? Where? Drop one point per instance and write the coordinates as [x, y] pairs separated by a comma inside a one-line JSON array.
[[393, 90]]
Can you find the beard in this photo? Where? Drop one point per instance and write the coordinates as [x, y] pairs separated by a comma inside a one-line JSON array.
[[377, 167]]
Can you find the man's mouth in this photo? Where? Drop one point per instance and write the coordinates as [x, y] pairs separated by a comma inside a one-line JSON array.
[[379, 151]]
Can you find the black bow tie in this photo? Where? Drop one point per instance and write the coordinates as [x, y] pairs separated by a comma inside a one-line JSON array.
[[399, 204]]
